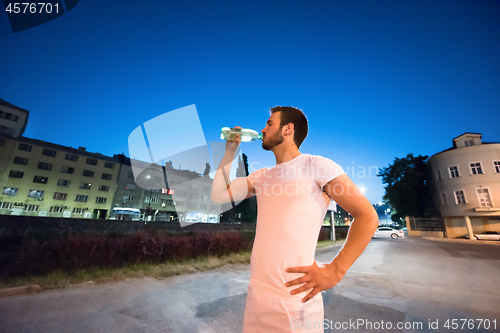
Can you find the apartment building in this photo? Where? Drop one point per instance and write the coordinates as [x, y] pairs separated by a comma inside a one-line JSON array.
[[39, 178], [163, 194], [467, 185]]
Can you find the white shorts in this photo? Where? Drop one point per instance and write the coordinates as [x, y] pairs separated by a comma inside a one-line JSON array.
[[264, 314]]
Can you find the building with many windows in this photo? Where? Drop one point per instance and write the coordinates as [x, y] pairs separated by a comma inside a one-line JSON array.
[[163, 194], [39, 178], [467, 185]]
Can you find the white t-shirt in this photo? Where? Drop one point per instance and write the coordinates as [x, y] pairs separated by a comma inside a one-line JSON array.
[[291, 206]]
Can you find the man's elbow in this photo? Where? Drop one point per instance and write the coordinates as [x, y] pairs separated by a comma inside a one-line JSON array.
[[370, 219]]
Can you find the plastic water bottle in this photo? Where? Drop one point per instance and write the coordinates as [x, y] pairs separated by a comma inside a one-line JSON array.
[[246, 135]]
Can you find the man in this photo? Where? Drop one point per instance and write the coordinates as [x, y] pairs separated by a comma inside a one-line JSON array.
[[284, 293]]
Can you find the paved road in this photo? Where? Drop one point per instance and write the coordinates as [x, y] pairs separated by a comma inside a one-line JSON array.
[[407, 280]]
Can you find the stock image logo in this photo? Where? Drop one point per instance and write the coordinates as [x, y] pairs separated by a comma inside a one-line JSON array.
[[26, 15], [170, 155]]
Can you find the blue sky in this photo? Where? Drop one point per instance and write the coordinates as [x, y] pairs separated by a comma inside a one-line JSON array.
[[377, 79]]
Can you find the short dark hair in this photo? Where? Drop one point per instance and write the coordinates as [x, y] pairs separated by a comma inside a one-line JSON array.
[[289, 114]]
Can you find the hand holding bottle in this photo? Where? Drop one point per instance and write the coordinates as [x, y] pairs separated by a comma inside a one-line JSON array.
[[232, 137]]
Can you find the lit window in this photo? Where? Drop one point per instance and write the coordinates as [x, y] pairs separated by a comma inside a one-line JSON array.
[[40, 179], [85, 186], [167, 191], [35, 194], [9, 191]]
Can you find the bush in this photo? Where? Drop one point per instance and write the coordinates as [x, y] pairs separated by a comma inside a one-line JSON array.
[[74, 252]]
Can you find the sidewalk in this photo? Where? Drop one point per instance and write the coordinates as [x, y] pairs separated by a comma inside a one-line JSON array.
[[454, 240]]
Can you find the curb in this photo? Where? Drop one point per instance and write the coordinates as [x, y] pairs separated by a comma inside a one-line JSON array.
[[83, 284], [34, 288], [19, 290], [463, 241]]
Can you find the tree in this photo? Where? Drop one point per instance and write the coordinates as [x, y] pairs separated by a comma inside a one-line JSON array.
[[408, 188]]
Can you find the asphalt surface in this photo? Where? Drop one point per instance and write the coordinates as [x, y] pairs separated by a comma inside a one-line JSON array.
[[423, 284]]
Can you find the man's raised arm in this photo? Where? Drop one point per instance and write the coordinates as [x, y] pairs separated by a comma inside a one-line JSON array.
[[223, 190]]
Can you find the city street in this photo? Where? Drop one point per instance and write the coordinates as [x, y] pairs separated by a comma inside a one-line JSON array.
[[425, 285]]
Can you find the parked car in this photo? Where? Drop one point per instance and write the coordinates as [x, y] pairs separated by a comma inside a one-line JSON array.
[[388, 232], [488, 235]]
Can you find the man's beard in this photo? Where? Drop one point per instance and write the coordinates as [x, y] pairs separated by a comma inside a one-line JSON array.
[[273, 141]]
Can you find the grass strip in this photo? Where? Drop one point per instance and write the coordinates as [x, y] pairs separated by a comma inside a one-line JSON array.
[[60, 279], [323, 244]]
